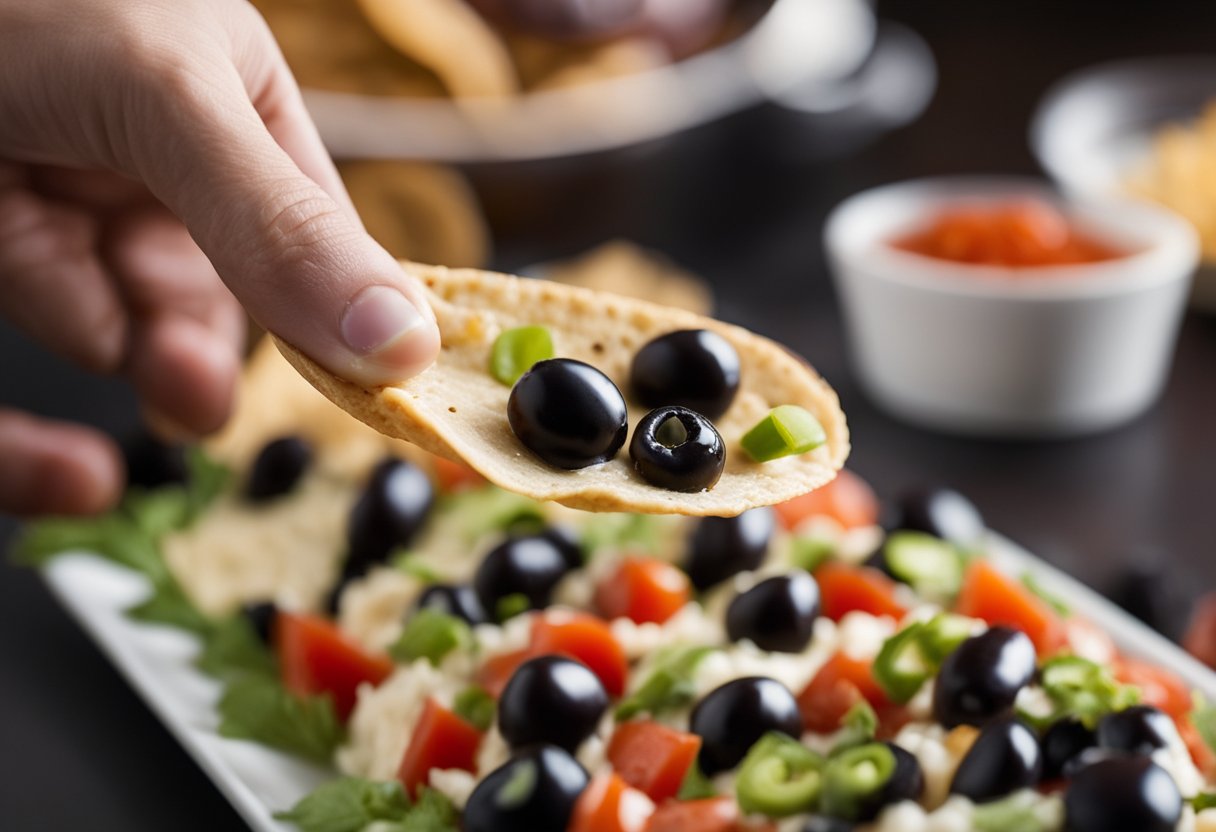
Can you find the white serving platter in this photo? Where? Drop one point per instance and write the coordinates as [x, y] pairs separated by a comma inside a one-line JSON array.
[[158, 662]]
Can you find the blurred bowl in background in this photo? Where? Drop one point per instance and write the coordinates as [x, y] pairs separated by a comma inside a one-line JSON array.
[[1095, 128], [1048, 351]]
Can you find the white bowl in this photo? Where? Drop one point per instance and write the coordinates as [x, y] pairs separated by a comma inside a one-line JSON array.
[[1095, 126], [1061, 350]]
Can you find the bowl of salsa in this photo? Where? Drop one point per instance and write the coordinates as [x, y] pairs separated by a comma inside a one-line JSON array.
[[996, 306]]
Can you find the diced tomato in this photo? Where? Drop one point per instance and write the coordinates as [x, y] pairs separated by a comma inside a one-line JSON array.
[[1202, 754], [840, 684], [844, 588], [440, 740], [711, 814], [316, 657], [652, 757], [848, 500], [643, 590], [498, 670], [1000, 600], [608, 804], [1200, 639], [1159, 687], [586, 638], [453, 477]]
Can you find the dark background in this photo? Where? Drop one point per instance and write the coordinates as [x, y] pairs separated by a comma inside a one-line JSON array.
[[78, 750]]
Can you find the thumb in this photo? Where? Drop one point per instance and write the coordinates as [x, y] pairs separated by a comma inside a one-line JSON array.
[[294, 255]]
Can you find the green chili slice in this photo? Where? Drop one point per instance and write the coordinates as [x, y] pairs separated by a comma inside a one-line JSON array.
[[787, 430], [902, 667], [516, 350], [928, 564], [943, 634], [431, 635], [854, 776], [669, 686], [779, 777], [475, 706], [1083, 689]]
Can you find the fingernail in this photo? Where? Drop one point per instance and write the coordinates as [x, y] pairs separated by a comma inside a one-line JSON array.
[[377, 317]]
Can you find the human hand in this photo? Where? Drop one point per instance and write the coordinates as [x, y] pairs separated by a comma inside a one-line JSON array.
[[156, 160]]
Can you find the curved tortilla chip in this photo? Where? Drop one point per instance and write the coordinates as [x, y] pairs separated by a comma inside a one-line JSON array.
[[456, 409]]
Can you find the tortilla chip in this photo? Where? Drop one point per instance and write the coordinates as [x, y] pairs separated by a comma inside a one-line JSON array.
[[458, 410]]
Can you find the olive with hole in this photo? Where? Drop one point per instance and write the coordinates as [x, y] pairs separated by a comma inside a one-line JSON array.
[[1122, 792], [388, 514], [722, 547], [777, 614], [528, 566], [459, 600], [1062, 743], [907, 782], [981, 679], [261, 616], [1005, 757], [941, 512], [534, 791], [551, 699], [1140, 729], [733, 717], [277, 468], [568, 413], [678, 449], [692, 368]]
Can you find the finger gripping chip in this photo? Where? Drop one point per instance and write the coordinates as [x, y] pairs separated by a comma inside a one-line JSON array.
[[458, 410]]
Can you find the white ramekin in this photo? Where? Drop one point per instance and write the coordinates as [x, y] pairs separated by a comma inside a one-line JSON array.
[[1055, 351]]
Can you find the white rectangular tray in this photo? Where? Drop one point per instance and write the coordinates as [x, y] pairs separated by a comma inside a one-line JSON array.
[[158, 662]]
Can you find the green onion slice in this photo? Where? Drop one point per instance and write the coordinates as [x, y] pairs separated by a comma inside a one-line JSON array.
[[669, 686], [779, 777], [516, 350], [475, 706], [854, 776], [431, 635], [943, 634], [787, 430]]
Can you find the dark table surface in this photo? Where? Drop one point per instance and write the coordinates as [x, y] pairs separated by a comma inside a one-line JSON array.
[[80, 751]]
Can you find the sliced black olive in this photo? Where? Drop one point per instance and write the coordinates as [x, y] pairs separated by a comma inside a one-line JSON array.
[[152, 463], [1062, 743], [1141, 729], [261, 616], [692, 368], [941, 512], [459, 600], [981, 679], [551, 699], [733, 717], [777, 614], [277, 468], [391, 510], [722, 547], [907, 782], [678, 449], [1122, 792], [534, 791], [528, 566], [1004, 758], [568, 413]]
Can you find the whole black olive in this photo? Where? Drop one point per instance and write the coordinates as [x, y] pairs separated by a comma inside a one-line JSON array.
[[152, 463], [459, 600], [1061, 743], [907, 782], [941, 512], [981, 679], [568, 413], [1123, 792], [1004, 758], [391, 510], [277, 468], [721, 547], [551, 699], [261, 616], [1141, 729], [534, 791], [567, 542], [733, 717], [692, 368], [777, 614], [1087, 758], [678, 449], [822, 823], [529, 566]]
